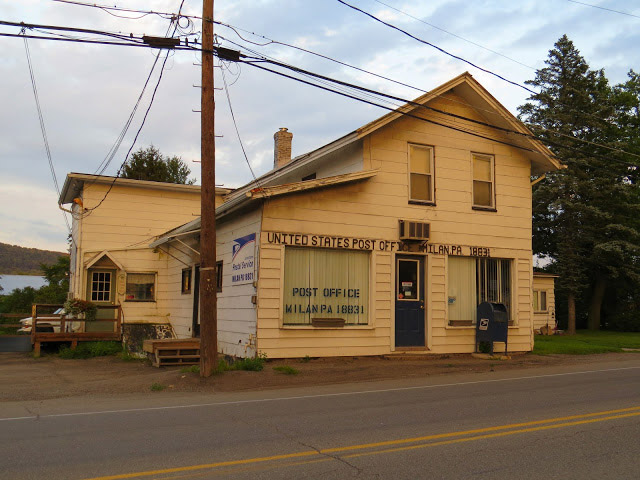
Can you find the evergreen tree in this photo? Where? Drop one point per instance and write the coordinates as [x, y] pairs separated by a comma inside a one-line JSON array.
[[585, 215], [150, 164]]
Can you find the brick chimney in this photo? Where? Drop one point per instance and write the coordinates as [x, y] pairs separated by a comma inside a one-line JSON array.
[[282, 147]]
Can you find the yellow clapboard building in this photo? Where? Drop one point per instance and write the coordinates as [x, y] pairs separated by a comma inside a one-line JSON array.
[[382, 241]]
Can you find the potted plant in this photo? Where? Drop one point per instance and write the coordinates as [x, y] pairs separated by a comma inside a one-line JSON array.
[[79, 309]]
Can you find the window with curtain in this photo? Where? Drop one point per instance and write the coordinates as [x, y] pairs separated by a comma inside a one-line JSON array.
[[421, 173], [476, 280], [325, 284], [483, 189], [140, 287]]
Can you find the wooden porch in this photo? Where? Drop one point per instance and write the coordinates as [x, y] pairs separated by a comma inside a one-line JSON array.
[[173, 351], [62, 329]]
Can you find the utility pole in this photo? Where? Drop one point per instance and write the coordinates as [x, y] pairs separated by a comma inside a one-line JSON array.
[[208, 274]]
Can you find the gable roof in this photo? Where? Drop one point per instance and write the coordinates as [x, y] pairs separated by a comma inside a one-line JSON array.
[[475, 96], [74, 183], [478, 98]]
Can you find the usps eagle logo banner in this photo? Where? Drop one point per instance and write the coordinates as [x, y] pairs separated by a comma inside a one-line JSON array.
[[243, 260]]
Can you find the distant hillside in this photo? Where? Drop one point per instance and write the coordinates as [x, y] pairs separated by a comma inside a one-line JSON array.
[[15, 260]]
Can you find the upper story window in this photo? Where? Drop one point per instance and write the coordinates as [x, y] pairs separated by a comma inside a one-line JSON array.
[[421, 170], [483, 181]]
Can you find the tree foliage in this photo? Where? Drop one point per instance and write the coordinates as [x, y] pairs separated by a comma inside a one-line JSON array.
[[150, 164], [586, 217]]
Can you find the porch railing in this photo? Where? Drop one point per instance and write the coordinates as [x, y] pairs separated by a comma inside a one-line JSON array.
[[62, 329]]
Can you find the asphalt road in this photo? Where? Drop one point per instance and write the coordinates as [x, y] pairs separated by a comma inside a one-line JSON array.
[[572, 422]]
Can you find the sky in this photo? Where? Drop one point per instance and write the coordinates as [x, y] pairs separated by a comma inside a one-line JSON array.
[[87, 92]]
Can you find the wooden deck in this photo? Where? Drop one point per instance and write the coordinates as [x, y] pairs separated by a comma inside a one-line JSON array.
[[73, 330], [173, 351]]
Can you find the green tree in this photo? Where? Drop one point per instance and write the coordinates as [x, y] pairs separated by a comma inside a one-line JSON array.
[[585, 216], [150, 164]]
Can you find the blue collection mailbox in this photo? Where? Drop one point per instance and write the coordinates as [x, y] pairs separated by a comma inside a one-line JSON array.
[[492, 324]]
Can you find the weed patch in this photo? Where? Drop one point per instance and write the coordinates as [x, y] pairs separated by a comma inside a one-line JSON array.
[[191, 369], [90, 349], [250, 364], [286, 369], [157, 387], [305, 359]]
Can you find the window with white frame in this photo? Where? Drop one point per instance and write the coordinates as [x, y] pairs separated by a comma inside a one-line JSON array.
[[100, 286], [540, 301], [473, 281], [421, 168], [141, 287], [483, 181], [321, 284]]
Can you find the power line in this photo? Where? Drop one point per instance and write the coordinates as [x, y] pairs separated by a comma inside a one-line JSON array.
[[44, 131], [153, 96], [453, 34], [604, 8], [385, 107], [307, 73], [233, 117], [456, 128], [436, 47], [420, 105], [114, 148]]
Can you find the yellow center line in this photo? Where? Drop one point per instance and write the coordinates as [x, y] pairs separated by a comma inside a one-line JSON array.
[[493, 435], [309, 453]]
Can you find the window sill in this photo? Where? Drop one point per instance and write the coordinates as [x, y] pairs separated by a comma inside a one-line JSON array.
[[484, 209], [422, 202], [310, 327], [140, 301], [462, 327], [541, 312]]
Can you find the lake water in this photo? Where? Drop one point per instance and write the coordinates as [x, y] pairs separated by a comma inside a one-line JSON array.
[[11, 282]]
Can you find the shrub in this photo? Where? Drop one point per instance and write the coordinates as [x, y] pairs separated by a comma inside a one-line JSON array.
[[90, 349]]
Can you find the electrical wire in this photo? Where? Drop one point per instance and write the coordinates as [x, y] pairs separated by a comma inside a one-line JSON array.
[[420, 105], [114, 148], [452, 127], [435, 46], [235, 124], [44, 133], [604, 8], [453, 34], [404, 100], [153, 95]]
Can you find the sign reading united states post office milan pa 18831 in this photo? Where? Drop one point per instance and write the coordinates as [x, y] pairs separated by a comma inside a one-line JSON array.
[[243, 261]]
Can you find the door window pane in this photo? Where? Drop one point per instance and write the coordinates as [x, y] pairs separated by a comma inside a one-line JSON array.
[[408, 287]]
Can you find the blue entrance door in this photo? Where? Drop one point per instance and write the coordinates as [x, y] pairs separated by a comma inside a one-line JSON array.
[[410, 318]]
